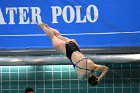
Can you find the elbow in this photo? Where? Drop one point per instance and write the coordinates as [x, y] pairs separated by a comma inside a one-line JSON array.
[[106, 68]]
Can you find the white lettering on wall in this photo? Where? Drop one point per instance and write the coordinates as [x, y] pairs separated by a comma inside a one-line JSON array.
[[56, 11], [78, 15], [36, 15], [88, 13], [69, 11], [25, 15], [32, 15], [2, 21], [23, 19], [11, 11], [65, 14]]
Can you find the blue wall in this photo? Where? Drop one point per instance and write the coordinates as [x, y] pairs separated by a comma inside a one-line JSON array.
[[114, 23]]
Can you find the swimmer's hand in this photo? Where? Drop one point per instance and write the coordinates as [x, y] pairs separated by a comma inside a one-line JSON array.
[[98, 79], [93, 80]]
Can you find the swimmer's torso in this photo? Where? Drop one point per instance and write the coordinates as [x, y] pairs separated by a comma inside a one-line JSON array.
[[72, 51], [77, 58], [71, 47]]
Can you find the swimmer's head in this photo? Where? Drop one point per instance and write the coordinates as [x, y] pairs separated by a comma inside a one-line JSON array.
[[92, 80], [29, 90]]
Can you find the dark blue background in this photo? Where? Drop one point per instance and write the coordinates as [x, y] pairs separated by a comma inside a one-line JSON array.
[[114, 16]]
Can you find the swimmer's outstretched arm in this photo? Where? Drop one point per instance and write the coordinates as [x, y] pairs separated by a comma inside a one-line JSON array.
[[103, 69]]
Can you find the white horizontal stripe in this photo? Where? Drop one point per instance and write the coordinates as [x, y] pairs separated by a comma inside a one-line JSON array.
[[74, 34]]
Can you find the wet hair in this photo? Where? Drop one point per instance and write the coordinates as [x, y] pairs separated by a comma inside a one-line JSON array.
[[93, 80], [29, 90]]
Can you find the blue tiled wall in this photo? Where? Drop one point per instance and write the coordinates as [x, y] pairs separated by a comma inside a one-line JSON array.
[[121, 78]]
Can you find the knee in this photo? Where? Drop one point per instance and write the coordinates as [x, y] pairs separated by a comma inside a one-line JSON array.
[[55, 43]]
